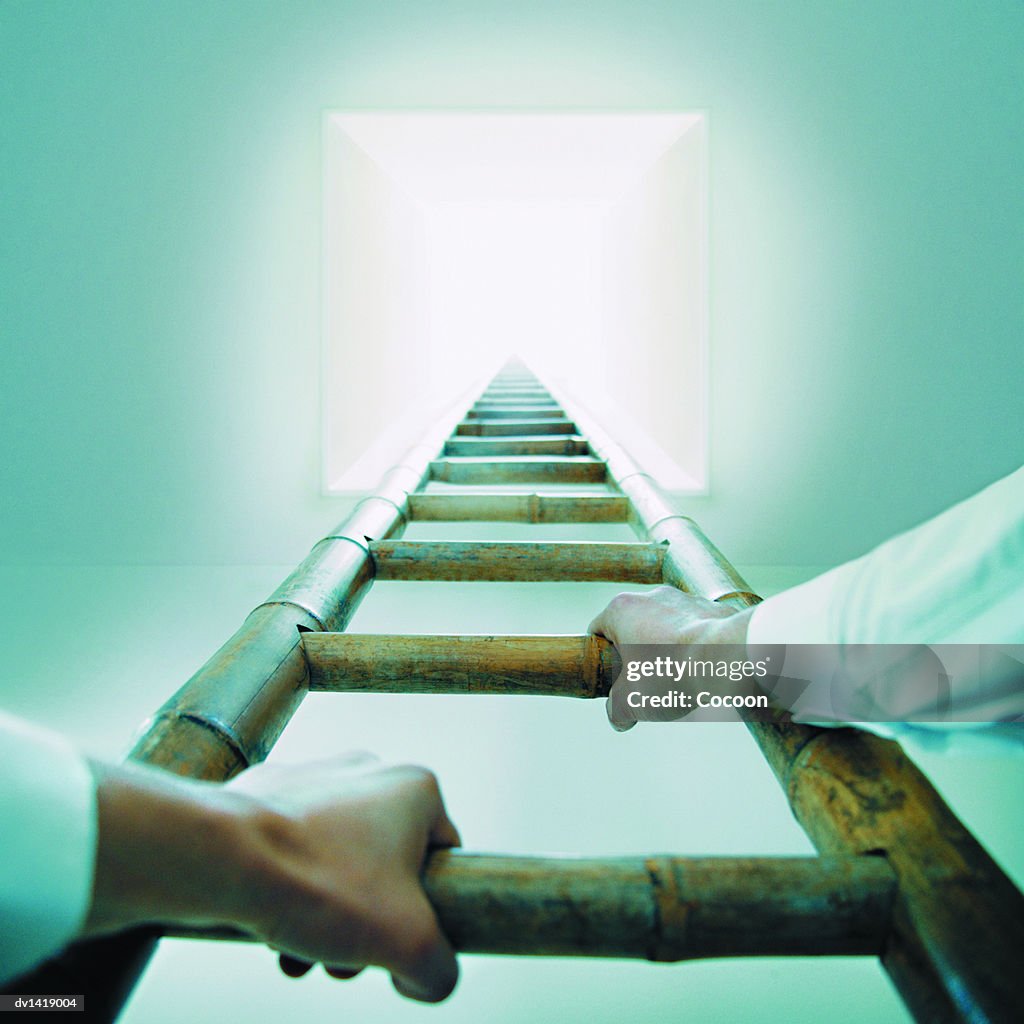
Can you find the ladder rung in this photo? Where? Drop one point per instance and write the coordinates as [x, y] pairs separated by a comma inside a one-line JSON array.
[[509, 392], [558, 666], [519, 508], [525, 561], [518, 445], [515, 412], [655, 907], [517, 398], [524, 470], [499, 427]]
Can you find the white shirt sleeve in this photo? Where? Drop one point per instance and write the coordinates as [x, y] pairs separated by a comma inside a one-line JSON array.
[[48, 824], [956, 579]]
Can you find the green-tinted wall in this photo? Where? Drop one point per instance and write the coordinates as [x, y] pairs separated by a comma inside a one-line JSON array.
[[160, 246]]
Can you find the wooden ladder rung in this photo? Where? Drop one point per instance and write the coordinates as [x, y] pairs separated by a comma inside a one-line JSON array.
[[515, 412], [516, 395], [517, 398], [568, 444], [526, 561], [559, 666], [654, 907], [524, 470], [519, 508], [500, 427]]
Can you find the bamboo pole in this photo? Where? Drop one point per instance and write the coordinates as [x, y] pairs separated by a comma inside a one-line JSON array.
[[515, 395], [557, 666], [534, 561], [958, 932], [519, 508], [954, 950], [498, 427], [504, 399], [530, 398], [515, 412], [540, 469], [534, 392], [228, 715], [523, 445], [661, 909]]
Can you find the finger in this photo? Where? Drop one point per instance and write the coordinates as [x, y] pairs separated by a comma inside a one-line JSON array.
[[428, 808], [619, 720], [354, 758], [421, 961], [294, 967], [261, 777], [601, 626], [618, 614], [343, 973], [443, 832]]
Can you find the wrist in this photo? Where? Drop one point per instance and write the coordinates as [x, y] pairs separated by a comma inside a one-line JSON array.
[[170, 851], [730, 628]]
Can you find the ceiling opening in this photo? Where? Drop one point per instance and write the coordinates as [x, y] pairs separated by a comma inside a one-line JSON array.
[[577, 241]]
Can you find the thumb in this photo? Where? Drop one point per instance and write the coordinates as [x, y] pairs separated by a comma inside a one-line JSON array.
[[618, 716]]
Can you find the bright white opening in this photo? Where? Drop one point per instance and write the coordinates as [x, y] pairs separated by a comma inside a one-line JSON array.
[[452, 241]]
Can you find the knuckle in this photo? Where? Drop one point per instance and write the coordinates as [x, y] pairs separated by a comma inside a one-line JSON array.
[[360, 757], [423, 780]]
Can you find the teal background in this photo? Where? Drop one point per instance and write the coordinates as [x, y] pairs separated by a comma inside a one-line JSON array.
[[159, 340], [161, 218]]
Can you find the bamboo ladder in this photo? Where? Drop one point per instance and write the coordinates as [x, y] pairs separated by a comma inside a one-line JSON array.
[[898, 876]]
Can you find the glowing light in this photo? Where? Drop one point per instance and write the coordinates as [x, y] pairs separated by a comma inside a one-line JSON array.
[[454, 240]]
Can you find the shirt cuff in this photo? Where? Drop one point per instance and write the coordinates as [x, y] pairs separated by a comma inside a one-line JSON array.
[[48, 818], [801, 615]]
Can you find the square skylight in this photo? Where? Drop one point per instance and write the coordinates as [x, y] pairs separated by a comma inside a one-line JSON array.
[[576, 240]]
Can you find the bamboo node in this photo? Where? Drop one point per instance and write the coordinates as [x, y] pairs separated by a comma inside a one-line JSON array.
[[670, 912], [380, 497], [287, 603], [344, 536], [664, 519]]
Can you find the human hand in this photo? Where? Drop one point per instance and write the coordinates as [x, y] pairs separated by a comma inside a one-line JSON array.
[[344, 843], [320, 861], [663, 615]]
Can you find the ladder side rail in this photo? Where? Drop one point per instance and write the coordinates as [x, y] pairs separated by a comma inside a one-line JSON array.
[[958, 930], [228, 715]]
